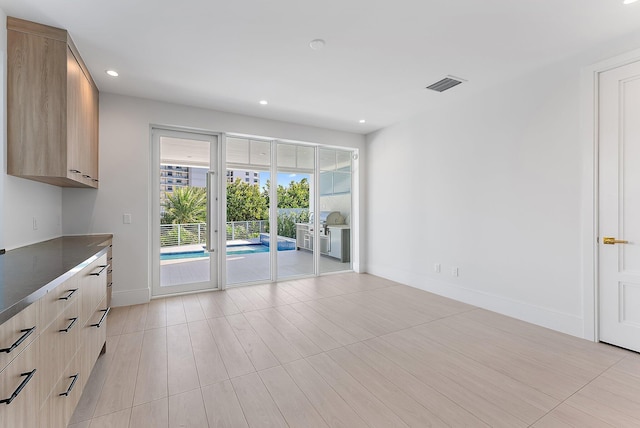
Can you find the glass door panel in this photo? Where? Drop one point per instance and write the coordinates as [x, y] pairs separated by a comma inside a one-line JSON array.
[[295, 256], [247, 228], [185, 209], [335, 209]]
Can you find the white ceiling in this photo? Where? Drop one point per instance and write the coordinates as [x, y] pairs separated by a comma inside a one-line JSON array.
[[379, 54]]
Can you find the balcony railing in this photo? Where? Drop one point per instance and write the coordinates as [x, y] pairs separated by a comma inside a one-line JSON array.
[[175, 235]]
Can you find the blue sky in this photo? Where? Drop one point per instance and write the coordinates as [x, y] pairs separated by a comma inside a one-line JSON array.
[[283, 178]]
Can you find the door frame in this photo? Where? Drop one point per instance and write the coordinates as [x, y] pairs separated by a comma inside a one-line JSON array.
[[589, 136], [154, 186]]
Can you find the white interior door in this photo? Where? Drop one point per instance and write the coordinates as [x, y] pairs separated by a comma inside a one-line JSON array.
[[619, 206], [185, 212]]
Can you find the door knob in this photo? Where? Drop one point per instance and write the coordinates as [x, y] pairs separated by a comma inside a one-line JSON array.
[[607, 240]]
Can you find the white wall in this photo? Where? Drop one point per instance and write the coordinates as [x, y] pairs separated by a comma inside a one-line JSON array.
[[22, 200], [125, 177], [498, 197]]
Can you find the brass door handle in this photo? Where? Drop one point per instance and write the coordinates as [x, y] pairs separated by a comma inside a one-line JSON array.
[[607, 240]]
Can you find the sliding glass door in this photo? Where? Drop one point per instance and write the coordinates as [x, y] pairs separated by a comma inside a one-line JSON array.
[[185, 211]]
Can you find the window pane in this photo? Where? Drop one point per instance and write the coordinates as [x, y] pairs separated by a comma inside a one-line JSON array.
[[260, 153]]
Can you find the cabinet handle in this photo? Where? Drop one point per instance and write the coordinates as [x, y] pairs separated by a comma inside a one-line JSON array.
[[110, 284], [27, 332], [95, 179], [103, 267], [73, 383], [70, 326], [102, 318], [68, 296], [24, 383], [75, 171], [86, 176]]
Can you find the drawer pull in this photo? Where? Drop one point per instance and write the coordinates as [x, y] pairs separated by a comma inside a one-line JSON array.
[[75, 171], [73, 383], [24, 383], [68, 296], [27, 332], [70, 326], [102, 318], [103, 267]]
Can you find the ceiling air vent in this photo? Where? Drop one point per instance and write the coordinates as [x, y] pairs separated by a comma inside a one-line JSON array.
[[446, 83]]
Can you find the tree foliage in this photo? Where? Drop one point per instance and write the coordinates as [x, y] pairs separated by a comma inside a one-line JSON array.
[[245, 202], [295, 195], [185, 205]]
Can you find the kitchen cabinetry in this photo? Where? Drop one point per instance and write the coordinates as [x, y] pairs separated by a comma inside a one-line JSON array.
[[52, 108], [50, 347], [339, 242]]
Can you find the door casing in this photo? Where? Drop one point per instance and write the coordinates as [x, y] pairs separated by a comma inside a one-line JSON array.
[[589, 130]]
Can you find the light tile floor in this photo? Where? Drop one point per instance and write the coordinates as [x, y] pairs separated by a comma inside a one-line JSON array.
[[353, 351]]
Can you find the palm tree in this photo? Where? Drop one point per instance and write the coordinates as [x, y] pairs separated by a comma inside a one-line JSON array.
[[185, 205]]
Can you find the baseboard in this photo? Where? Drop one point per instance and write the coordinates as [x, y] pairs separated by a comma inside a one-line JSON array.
[[562, 322], [130, 297]]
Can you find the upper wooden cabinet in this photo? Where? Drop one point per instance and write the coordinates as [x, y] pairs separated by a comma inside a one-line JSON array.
[[52, 108]]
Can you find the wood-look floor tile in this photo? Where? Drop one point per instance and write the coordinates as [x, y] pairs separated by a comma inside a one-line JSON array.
[[336, 332], [119, 387], [175, 311], [136, 319], [517, 398], [565, 416], [259, 408], [474, 402], [298, 339], [112, 420], [259, 353], [154, 414], [186, 410], [193, 310], [156, 314], [208, 304], [222, 406], [377, 354], [334, 410], [409, 410], [281, 348], [372, 410], [235, 359], [312, 331], [293, 404], [182, 371], [151, 383], [117, 319], [209, 363], [433, 400]]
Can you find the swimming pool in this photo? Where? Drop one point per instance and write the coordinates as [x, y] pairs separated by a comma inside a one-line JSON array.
[[231, 249]]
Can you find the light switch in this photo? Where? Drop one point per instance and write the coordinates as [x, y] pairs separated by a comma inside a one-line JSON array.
[[126, 218]]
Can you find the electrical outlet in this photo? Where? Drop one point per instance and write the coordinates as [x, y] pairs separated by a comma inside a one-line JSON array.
[[454, 271], [436, 268], [126, 218], [35, 224]]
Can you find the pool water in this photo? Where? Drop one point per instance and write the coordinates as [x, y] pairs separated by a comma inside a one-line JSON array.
[[233, 250], [247, 249], [184, 255]]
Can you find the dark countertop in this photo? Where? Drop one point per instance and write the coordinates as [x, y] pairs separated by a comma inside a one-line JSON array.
[[28, 273]]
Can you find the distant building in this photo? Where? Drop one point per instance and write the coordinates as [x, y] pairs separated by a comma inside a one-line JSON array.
[[173, 177], [251, 177]]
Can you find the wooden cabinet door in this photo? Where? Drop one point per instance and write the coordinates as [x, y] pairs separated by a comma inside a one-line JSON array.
[[75, 168], [19, 383]]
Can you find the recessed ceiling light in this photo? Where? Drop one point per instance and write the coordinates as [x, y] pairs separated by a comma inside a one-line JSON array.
[[317, 44], [112, 73], [629, 1], [264, 102], [362, 121]]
